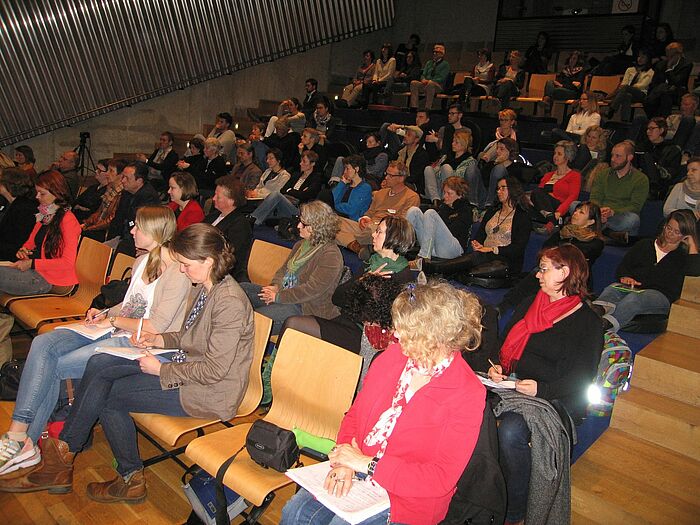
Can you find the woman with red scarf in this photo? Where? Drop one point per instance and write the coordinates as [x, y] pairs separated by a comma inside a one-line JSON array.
[[552, 347]]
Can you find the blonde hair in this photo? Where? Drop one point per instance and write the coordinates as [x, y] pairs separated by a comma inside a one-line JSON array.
[[158, 222], [593, 106], [434, 319], [464, 137], [602, 144], [509, 114]]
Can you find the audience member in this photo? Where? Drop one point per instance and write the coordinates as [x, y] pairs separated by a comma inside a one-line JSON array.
[[656, 268], [633, 87], [620, 191], [323, 121], [379, 87], [137, 192], [18, 217], [685, 195], [256, 139], [286, 141], [395, 199], [392, 134], [591, 154], [510, 79], [97, 224], [663, 36], [67, 165], [184, 199], [681, 125], [302, 187], [439, 144], [538, 55], [47, 257], [304, 284], [433, 78], [414, 157], [505, 165], [670, 82], [363, 77], [246, 170], [460, 164], [481, 80], [311, 141], [403, 50], [224, 134], [444, 233], [195, 163], [569, 81], [506, 129], [291, 109], [416, 461], [407, 72], [624, 57], [311, 97], [89, 200], [585, 116], [352, 196], [376, 159], [228, 200], [661, 159], [214, 167], [162, 162], [553, 343], [273, 178], [25, 160]]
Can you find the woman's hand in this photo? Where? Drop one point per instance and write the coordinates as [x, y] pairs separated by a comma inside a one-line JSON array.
[[527, 387], [268, 294], [142, 157], [381, 272], [338, 481], [349, 455], [91, 316], [150, 364], [478, 247], [147, 340], [22, 265], [689, 241], [496, 373], [629, 281], [23, 254], [557, 215], [182, 164]]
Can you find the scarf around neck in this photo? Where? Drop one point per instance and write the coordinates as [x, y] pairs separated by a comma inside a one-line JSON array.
[[580, 233], [538, 318], [46, 213], [690, 192], [394, 266], [305, 252]]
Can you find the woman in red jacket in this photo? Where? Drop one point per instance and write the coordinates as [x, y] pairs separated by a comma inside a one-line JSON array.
[[47, 259], [557, 189], [414, 424], [182, 189]]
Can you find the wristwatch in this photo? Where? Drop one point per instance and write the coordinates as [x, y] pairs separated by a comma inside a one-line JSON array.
[[372, 465], [495, 250], [112, 320]]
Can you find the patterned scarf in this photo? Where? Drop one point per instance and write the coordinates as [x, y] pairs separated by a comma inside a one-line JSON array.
[[305, 252], [181, 356], [46, 213], [322, 122], [580, 233], [380, 433]]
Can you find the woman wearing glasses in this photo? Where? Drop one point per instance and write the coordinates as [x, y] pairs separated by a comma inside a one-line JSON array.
[[651, 274], [552, 344]]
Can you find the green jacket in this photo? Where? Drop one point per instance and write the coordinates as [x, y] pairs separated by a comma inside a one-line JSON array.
[[437, 73], [621, 194]]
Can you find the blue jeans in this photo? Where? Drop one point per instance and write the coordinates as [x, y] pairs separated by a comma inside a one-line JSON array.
[[274, 202], [305, 509], [625, 221], [393, 141], [17, 282], [338, 169], [433, 235], [278, 312], [56, 355], [110, 389], [624, 306], [516, 462]]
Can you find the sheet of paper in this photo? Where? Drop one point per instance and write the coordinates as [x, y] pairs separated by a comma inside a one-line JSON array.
[[131, 353], [365, 499], [90, 331], [507, 384], [6, 263]]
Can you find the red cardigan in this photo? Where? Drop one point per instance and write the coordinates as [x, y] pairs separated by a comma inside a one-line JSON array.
[[191, 214], [433, 438], [61, 270], [565, 190]]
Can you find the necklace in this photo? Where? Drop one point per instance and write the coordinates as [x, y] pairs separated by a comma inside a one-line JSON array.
[[497, 228]]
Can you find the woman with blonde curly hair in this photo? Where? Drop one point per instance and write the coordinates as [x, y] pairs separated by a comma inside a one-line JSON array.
[[154, 300], [414, 424], [592, 154], [306, 281]]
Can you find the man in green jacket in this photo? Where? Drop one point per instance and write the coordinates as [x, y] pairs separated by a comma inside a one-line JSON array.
[[620, 192], [432, 79]]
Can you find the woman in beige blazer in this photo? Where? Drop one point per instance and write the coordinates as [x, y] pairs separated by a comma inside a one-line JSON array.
[[206, 377]]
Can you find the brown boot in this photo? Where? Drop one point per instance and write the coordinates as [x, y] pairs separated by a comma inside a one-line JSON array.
[[133, 491], [54, 473], [355, 246]]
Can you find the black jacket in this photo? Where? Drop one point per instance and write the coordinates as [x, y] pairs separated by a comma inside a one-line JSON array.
[[16, 225], [167, 167], [458, 220], [212, 170], [198, 164], [239, 234], [125, 215], [677, 77], [289, 146], [309, 188], [514, 253]]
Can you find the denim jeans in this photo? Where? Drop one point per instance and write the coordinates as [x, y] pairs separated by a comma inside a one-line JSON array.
[[274, 202], [625, 221], [626, 305], [433, 235], [304, 509], [110, 389], [278, 312], [393, 141], [17, 282], [56, 355], [338, 169], [516, 462]]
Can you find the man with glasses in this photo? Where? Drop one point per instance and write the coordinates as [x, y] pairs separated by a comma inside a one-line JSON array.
[[438, 144], [391, 133], [395, 198], [620, 192], [67, 165], [433, 78]]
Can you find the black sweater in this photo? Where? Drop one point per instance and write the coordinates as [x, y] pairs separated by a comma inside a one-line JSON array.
[[514, 253], [16, 225], [458, 220], [666, 276], [563, 359]]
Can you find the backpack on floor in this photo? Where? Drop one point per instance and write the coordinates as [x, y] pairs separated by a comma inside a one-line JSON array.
[[613, 376], [10, 374]]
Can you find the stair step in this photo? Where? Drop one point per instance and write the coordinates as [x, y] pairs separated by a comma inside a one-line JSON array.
[[669, 366], [621, 479], [683, 318], [691, 289], [659, 419]]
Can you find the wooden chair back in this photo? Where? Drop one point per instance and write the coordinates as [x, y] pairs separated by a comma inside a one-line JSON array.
[[313, 384], [264, 261], [535, 88], [460, 76], [121, 267], [253, 395], [606, 84]]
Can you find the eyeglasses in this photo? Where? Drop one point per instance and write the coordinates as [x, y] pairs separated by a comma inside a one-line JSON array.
[[387, 174], [542, 269], [649, 128], [501, 188], [672, 230], [453, 112], [303, 224]]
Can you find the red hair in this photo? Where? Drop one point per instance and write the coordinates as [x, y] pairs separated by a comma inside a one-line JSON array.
[[570, 256], [55, 183]]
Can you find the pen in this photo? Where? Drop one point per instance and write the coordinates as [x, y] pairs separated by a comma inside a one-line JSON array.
[[103, 312], [138, 331], [493, 364]]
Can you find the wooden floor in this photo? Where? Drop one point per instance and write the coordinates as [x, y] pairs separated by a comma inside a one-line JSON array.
[[165, 504]]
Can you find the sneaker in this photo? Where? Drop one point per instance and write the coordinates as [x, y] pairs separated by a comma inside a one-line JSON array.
[[13, 457]]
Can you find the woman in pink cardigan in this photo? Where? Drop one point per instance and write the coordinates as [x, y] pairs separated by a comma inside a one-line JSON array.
[[47, 259], [414, 424], [557, 189]]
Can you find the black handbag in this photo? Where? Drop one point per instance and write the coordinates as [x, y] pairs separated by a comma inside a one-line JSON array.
[[10, 374]]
